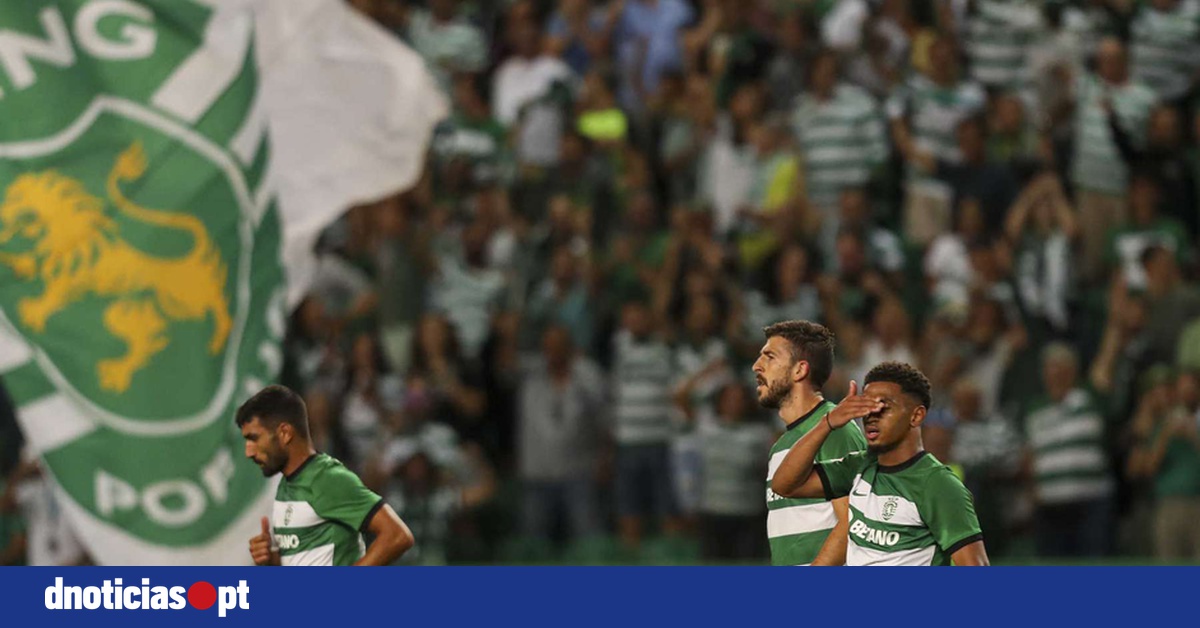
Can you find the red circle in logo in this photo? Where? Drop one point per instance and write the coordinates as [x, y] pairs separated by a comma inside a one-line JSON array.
[[202, 595]]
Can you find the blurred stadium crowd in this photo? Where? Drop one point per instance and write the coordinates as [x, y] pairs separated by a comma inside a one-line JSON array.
[[541, 353]]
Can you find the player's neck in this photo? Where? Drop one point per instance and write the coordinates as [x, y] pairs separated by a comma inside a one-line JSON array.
[[800, 402], [297, 457], [903, 452]]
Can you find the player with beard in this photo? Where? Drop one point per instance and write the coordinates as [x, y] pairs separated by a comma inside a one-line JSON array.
[[321, 507], [906, 507], [791, 368]]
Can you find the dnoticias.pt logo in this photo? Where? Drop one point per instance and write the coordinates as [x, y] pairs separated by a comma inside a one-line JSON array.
[[115, 595]]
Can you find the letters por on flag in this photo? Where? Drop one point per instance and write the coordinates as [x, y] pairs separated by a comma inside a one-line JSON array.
[[165, 166]]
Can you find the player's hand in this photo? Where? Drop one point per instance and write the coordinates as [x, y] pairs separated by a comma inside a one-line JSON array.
[[852, 407], [260, 546]]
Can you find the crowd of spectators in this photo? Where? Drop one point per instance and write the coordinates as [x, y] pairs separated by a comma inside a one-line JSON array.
[[541, 352]]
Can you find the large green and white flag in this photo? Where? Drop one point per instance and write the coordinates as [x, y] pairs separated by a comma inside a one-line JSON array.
[[164, 167]]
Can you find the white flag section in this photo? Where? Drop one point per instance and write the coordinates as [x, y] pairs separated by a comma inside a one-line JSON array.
[[174, 163], [350, 110]]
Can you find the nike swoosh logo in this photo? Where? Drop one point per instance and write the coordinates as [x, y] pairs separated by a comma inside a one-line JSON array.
[[860, 494]]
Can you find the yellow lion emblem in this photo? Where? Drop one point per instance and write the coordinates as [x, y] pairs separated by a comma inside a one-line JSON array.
[[79, 251]]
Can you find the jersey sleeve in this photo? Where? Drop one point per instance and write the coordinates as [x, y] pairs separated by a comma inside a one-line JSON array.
[[837, 475], [949, 511], [339, 495], [840, 442]]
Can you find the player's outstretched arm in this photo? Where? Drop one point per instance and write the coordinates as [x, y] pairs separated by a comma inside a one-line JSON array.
[[392, 539], [795, 477], [972, 555], [260, 547]]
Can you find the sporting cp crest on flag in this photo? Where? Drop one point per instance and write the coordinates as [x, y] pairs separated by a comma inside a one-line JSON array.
[[140, 255], [143, 148]]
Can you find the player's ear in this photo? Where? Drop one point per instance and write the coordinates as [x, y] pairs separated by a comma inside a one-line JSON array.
[[918, 416], [800, 370], [286, 433]]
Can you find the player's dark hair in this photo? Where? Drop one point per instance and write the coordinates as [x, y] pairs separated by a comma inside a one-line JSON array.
[[809, 341], [910, 380], [274, 405]]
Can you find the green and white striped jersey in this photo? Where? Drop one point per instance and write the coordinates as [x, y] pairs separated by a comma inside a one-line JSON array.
[[1165, 48], [842, 139], [319, 512], [732, 454], [1069, 461], [917, 513], [642, 374], [1097, 165], [797, 527], [933, 114], [1002, 33]]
